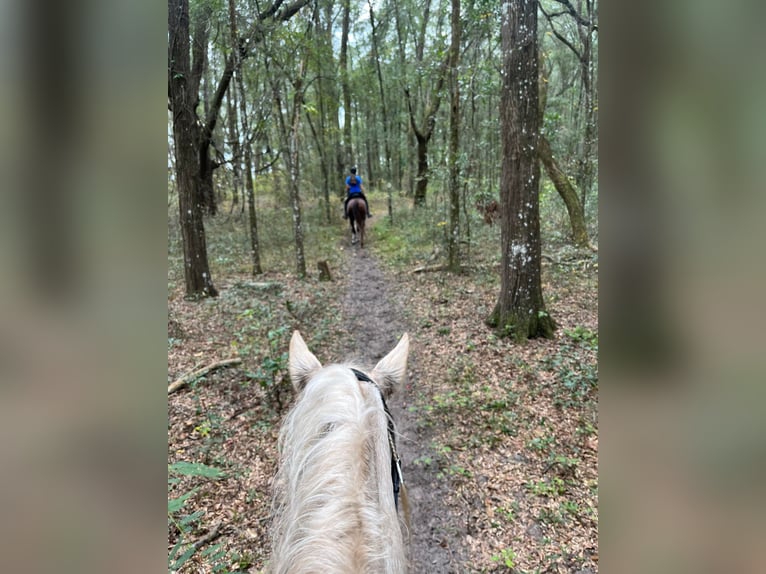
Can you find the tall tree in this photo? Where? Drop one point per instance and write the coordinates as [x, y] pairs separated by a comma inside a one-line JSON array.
[[348, 149], [183, 87], [236, 152], [384, 113], [453, 243], [289, 130], [249, 195], [560, 180], [583, 46], [193, 135], [424, 129], [520, 309]]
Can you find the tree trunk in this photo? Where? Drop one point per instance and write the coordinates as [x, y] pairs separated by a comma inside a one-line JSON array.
[[566, 191], [300, 258], [255, 247], [520, 309], [344, 82], [587, 72], [453, 243], [290, 146], [421, 179], [186, 134], [560, 180], [384, 112], [423, 135], [193, 136], [236, 152]]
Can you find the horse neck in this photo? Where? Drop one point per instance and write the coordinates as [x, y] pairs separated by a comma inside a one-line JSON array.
[[335, 510]]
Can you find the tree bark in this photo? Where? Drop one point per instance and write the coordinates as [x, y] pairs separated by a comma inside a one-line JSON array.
[[422, 135], [236, 151], [585, 174], [567, 192], [384, 112], [453, 243], [255, 246], [183, 93], [194, 136], [294, 171], [290, 145], [520, 309], [348, 151]]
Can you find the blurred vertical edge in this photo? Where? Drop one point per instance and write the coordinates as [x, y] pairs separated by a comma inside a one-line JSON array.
[[82, 373], [682, 430]]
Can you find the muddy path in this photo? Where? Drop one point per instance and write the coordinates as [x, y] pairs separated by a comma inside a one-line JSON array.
[[373, 313]]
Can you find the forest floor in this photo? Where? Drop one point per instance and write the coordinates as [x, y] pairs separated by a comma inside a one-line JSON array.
[[499, 441]]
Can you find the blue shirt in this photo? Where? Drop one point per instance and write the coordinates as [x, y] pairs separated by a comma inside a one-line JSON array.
[[354, 188]]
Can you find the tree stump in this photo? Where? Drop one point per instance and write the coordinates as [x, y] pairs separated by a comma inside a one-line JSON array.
[[324, 271]]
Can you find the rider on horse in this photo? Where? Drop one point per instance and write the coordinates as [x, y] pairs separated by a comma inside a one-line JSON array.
[[354, 188]]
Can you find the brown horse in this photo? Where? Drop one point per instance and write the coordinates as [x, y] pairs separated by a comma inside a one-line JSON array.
[[357, 214]]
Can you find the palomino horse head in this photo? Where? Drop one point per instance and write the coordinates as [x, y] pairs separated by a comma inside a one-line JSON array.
[[357, 215], [335, 501]]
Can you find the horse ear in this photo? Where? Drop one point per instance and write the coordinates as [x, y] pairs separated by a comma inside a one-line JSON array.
[[303, 364], [392, 369]]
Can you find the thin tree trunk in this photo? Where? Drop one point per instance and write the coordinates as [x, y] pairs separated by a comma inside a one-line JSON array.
[[290, 145], [384, 112], [422, 135], [566, 191], [560, 181], [255, 247], [236, 152], [318, 139], [255, 250], [300, 258], [323, 136], [587, 72], [344, 82], [453, 243]]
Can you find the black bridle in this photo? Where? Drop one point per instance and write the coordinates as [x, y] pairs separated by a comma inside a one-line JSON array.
[[396, 463]]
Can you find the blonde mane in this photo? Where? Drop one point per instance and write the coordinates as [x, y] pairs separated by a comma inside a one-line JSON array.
[[334, 508]]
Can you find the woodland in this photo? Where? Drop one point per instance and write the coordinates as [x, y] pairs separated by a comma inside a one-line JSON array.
[[474, 127]]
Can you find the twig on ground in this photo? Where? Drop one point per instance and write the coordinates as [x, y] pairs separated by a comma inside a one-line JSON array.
[[214, 533], [186, 379]]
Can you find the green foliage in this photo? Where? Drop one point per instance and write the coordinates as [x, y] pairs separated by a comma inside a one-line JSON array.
[[271, 373], [214, 556], [564, 465], [541, 444], [587, 337], [576, 369], [182, 468], [571, 507], [550, 516], [508, 514], [507, 556], [547, 488]]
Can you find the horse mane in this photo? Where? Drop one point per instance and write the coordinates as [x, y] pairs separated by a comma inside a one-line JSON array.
[[334, 505]]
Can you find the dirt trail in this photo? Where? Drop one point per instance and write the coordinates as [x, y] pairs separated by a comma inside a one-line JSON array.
[[374, 315]]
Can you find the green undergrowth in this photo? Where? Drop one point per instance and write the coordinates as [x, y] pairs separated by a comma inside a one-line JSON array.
[[418, 237], [228, 241]]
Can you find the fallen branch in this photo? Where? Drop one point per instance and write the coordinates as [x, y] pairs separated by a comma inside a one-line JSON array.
[[214, 533], [186, 379], [431, 269], [428, 269]]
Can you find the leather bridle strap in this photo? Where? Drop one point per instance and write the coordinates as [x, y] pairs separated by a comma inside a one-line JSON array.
[[396, 464]]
